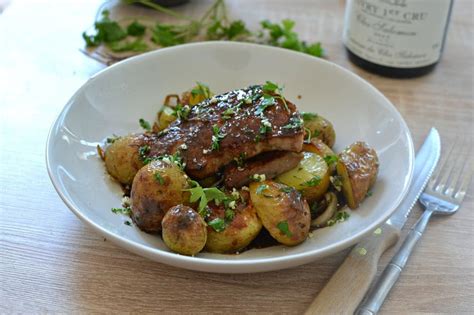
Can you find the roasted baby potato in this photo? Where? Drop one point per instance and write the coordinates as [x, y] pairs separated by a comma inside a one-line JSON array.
[[320, 128], [122, 159], [157, 187], [237, 234], [358, 166], [317, 146], [183, 230], [283, 211], [311, 177]]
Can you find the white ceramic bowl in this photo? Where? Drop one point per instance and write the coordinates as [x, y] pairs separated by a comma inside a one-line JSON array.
[[112, 101]]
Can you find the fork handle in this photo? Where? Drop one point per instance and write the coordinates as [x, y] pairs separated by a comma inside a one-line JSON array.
[[376, 296]]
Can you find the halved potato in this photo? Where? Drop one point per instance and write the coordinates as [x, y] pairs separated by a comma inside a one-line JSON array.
[[237, 233], [311, 176], [317, 146], [320, 128], [283, 211], [358, 166]]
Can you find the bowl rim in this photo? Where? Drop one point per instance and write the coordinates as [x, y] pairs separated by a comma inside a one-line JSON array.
[[203, 263]]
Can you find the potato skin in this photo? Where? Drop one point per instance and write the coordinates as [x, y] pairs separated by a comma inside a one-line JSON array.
[[183, 230], [239, 232], [358, 166], [152, 198], [122, 160], [165, 117], [320, 128], [277, 204], [312, 165]]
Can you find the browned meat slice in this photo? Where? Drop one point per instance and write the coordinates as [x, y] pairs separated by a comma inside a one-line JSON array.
[[271, 164], [242, 122]]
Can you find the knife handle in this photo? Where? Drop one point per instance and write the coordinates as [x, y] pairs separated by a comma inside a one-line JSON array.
[[375, 298], [346, 288]]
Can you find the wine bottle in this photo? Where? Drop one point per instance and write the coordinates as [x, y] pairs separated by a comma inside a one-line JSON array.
[[396, 38]]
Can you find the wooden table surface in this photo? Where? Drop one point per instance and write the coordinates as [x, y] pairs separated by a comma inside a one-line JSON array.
[[51, 262]]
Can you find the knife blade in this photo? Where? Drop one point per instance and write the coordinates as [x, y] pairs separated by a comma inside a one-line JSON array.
[[347, 287]]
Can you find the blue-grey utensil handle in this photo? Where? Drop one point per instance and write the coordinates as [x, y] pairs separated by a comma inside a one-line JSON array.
[[376, 296]]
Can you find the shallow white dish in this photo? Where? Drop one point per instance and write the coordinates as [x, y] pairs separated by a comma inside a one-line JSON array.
[[112, 101]]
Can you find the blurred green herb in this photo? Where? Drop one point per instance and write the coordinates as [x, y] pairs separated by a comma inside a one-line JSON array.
[[214, 24]]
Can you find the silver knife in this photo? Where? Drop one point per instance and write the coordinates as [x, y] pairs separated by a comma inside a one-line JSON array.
[[347, 287]]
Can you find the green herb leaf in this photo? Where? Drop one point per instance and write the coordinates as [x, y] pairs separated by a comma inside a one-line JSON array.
[[217, 224], [271, 87], [339, 217], [167, 35], [112, 139], [205, 195], [144, 124], [159, 178], [216, 138], [286, 189], [229, 215], [107, 31], [137, 45], [136, 29], [127, 223], [283, 227], [201, 89], [331, 159], [315, 181], [126, 211], [261, 188], [143, 153]]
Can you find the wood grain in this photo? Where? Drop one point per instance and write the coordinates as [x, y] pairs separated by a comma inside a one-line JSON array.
[[52, 263]]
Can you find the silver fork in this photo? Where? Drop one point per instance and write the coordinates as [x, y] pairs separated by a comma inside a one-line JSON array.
[[442, 196]]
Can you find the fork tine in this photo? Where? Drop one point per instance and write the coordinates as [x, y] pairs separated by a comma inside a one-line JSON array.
[[459, 165], [442, 173], [465, 179]]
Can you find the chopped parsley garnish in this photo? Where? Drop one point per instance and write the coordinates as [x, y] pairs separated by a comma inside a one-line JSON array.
[[308, 116], [241, 159], [216, 137], [182, 111], [283, 227], [202, 90], [264, 129], [217, 224], [107, 31], [286, 189], [159, 178], [315, 181], [271, 87], [136, 29], [261, 188], [143, 153], [330, 159], [294, 123], [112, 139], [127, 223], [227, 114], [267, 101], [368, 194], [126, 210], [275, 90], [229, 214], [138, 45], [205, 195], [144, 124], [339, 217]]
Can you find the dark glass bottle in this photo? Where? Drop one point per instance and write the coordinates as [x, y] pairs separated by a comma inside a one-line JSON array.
[[396, 38]]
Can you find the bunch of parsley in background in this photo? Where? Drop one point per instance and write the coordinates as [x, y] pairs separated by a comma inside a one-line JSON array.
[[213, 25]]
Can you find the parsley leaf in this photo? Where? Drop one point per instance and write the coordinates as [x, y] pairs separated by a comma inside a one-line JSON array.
[[331, 159], [159, 178], [217, 224], [283, 227], [143, 153], [137, 45], [261, 188], [315, 181], [267, 101], [205, 195], [339, 217], [167, 35], [144, 124], [107, 31], [126, 211], [286, 189], [216, 137], [136, 29]]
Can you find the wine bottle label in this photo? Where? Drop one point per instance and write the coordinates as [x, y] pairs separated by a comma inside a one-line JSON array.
[[396, 33]]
